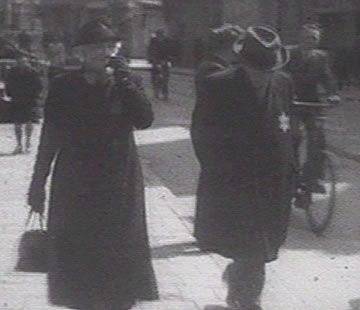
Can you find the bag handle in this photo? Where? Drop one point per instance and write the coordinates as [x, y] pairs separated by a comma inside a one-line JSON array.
[[32, 215]]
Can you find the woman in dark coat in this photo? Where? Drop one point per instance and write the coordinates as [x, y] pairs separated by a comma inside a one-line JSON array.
[[241, 136], [23, 85], [99, 249]]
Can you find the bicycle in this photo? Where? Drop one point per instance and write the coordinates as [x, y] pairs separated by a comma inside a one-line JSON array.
[[319, 207]]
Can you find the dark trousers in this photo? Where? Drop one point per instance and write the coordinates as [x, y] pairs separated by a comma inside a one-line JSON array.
[[315, 156], [160, 75], [245, 278]]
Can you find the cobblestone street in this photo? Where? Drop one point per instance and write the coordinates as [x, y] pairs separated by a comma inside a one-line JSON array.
[[313, 273]]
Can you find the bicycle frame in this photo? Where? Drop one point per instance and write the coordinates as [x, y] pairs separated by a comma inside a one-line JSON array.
[[304, 195], [315, 110]]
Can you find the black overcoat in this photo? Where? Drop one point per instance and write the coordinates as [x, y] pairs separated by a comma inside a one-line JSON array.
[[241, 136], [23, 85], [97, 223]]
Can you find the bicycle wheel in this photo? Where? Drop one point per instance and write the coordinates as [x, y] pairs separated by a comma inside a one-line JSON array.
[[321, 207]]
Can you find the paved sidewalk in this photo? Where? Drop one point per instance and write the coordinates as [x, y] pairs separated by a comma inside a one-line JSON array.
[[184, 275], [188, 279], [312, 273]]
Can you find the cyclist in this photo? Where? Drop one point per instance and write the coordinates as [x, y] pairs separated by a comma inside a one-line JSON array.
[[159, 55], [309, 67]]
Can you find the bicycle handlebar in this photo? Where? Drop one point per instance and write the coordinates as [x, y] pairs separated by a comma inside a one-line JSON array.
[[312, 104]]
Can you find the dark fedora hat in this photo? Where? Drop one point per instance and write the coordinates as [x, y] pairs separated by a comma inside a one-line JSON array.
[[95, 31], [262, 47]]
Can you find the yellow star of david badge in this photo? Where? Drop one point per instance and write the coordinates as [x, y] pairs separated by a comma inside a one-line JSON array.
[[284, 122]]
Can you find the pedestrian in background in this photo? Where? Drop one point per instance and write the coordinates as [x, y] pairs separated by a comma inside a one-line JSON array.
[[309, 68], [23, 85], [242, 139], [99, 249], [160, 56]]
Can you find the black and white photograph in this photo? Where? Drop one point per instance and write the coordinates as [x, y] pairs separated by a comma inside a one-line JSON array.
[[180, 154]]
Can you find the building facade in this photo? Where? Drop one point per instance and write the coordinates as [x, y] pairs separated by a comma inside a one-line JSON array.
[[62, 18], [188, 21], [20, 22], [340, 20], [147, 17], [47, 20]]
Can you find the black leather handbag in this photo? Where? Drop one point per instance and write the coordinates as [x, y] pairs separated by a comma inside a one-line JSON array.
[[33, 247], [5, 110]]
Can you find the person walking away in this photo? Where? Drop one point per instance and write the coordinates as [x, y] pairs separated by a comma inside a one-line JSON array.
[[24, 86], [204, 133], [245, 185], [309, 68], [159, 55], [99, 248]]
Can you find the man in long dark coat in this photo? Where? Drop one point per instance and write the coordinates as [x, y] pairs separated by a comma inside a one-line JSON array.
[[99, 256], [241, 136]]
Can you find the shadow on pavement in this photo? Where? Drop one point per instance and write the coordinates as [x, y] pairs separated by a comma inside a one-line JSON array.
[[175, 163], [189, 218], [354, 304], [303, 239], [7, 154], [175, 250], [215, 307]]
